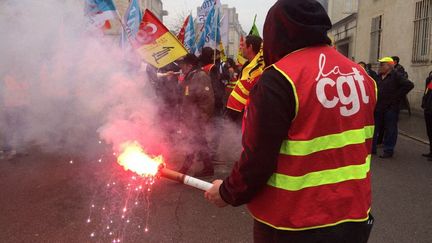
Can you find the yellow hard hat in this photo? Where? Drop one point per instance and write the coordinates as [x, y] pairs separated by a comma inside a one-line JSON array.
[[386, 60]]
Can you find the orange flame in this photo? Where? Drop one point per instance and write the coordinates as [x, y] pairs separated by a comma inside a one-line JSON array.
[[134, 158]]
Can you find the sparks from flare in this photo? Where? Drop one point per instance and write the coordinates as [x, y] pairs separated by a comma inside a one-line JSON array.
[[124, 207]]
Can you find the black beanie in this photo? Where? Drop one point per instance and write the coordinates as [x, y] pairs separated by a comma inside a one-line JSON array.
[[294, 24], [189, 59]]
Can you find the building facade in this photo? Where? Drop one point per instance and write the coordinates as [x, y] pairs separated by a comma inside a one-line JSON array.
[[397, 28], [156, 6], [231, 31], [343, 14]]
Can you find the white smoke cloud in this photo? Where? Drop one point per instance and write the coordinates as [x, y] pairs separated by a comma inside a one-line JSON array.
[[62, 88], [60, 83]]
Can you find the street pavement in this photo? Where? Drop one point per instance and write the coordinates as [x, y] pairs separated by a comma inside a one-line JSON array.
[[413, 126], [46, 198]]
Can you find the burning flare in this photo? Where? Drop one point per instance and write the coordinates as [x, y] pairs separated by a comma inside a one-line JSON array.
[[132, 157]]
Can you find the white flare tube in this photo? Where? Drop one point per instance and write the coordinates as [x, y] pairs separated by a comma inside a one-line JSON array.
[[197, 183], [185, 179]]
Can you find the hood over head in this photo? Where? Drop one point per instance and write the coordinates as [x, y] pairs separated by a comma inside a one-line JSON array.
[[294, 24]]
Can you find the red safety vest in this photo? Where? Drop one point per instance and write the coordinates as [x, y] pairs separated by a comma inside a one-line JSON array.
[[322, 177], [207, 68], [429, 87], [247, 80], [231, 85]]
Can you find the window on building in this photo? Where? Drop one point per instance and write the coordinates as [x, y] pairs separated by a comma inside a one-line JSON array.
[[231, 14], [376, 30], [422, 31], [231, 35]]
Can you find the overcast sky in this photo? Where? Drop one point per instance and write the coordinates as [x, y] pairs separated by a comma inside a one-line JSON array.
[[246, 10]]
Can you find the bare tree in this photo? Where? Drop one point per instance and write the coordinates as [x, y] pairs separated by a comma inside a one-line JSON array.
[[177, 22]]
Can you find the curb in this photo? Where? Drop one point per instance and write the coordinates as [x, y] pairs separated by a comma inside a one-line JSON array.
[[405, 134]]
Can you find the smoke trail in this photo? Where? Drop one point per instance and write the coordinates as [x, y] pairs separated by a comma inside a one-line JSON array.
[[59, 83], [63, 88]]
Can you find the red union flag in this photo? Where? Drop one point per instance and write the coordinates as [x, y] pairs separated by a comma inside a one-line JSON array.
[[181, 34], [155, 43]]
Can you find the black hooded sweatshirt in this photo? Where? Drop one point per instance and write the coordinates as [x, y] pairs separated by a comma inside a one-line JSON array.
[[290, 25]]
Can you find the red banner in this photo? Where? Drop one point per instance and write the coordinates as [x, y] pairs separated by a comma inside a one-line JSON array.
[[181, 34], [155, 43]]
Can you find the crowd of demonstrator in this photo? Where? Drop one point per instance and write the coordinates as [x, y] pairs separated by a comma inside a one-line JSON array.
[[194, 91]]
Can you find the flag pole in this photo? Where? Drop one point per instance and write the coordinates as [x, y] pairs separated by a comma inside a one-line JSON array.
[[128, 37], [122, 24], [198, 35], [216, 25]]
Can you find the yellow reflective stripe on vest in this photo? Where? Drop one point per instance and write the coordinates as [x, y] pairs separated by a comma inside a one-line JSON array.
[[333, 141], [319, 178], [232, 85], [238, 97], [242, 88]]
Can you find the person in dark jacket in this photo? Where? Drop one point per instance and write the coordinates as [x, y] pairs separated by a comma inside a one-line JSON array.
[[399, 68], [404, 105], [212, 66], [371, 72], [368, 68], [290, 25], [196, 111], [392, 88], [427, 107]]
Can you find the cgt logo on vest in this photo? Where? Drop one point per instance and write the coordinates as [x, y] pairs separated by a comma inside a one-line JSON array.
[[349, 104]]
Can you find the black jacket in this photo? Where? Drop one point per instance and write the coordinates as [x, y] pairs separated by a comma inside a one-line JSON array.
[[372, 74], [218, 87], [391, 90], [401, 70], [266, 123]]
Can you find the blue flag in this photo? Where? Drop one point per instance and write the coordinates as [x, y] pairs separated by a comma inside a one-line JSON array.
[[93, 7], [98, 11], [205, 8], [211, 33], [189, 39], [132, 20]]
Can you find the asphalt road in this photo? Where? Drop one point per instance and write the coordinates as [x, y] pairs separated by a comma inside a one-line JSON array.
[[45, 198]]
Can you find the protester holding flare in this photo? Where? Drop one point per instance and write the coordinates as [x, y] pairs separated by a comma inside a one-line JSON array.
[[305, 167]]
